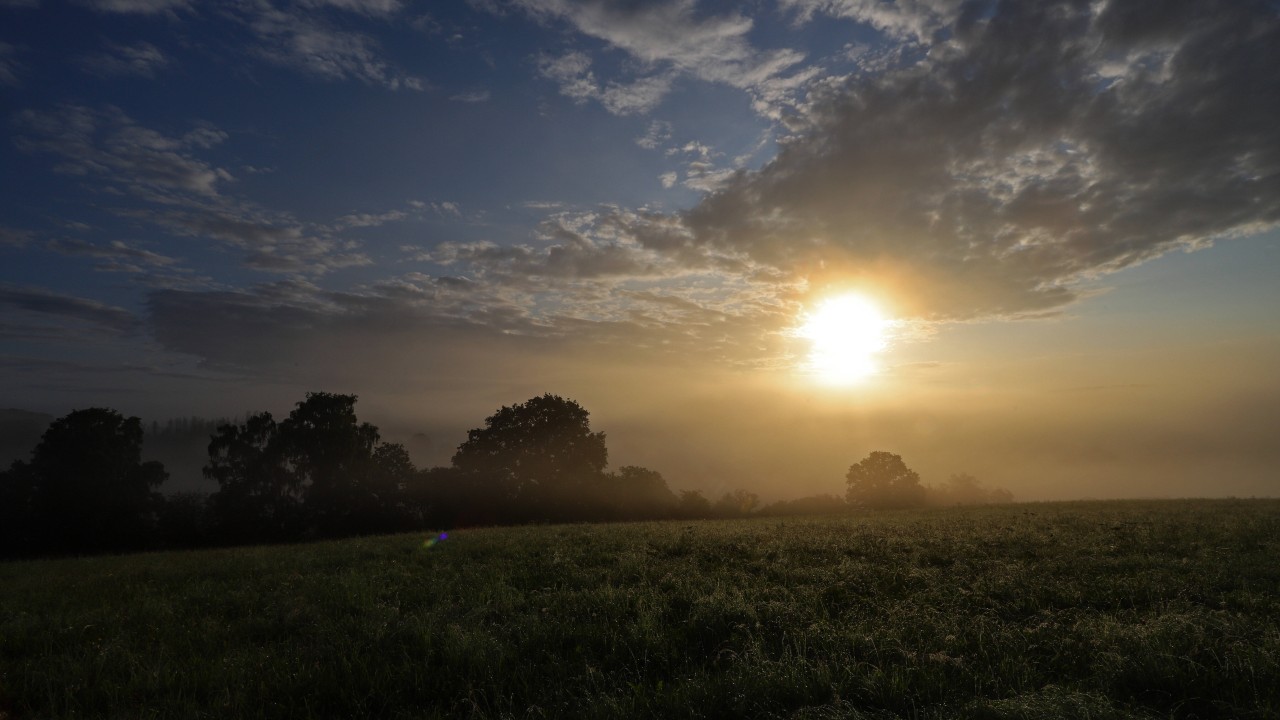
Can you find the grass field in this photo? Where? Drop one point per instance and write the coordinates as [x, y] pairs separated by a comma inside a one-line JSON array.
[[1081, 610]]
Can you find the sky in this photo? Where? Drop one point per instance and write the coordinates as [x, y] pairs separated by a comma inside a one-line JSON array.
[[1065, 212]]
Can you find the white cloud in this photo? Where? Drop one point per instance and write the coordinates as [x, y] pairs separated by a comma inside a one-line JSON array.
[[659, 132], [669, 179], [669, 39], [638, 96], [914, 20]]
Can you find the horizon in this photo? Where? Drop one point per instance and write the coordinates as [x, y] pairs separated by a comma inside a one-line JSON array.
[[755, 243]]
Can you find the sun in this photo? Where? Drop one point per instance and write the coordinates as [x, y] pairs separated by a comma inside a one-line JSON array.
[[845, 332]]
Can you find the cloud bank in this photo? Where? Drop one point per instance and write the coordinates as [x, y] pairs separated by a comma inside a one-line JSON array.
[[1036, 146]]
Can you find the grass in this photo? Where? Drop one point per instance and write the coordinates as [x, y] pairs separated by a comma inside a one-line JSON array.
[[1082, 610]]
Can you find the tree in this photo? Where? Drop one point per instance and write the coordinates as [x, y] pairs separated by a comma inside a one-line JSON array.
[[18, 524], [258, 497], [693, 504], [736, 504], [965, 489], [635, 492], [882, 481], [330, 454], [543, 450], [87, 486], [320, 470]]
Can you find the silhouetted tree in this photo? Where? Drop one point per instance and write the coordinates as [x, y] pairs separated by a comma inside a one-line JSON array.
[[635, 493], [320, 470], [811, 505], [738, 503], [330, 453], [259, 498], [86, 487], [18, 525], [543, 450], [385, 506], [965, 489], [693, 504], [185, 521], [882, 481]]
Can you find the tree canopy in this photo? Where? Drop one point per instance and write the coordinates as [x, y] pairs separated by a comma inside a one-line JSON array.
[[543, 450], [86, 487], [883, 481], [320, 470]]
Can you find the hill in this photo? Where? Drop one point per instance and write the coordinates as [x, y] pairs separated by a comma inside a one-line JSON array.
[[1102, 610]]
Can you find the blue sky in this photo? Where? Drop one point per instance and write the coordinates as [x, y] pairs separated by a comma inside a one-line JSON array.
[[444, 207]]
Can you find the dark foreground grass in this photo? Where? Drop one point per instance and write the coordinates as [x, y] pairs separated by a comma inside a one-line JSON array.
[[1101, 610]]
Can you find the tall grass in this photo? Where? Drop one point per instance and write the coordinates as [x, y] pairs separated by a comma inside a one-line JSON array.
[[1083, 610]]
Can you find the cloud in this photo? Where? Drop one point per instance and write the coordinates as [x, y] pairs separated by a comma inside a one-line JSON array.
[[701, 172], [412, 331], [43, 301], [137, 7], [116, 256], [109, 144], [355, 220], [372, 8], [10, 68], [181, 193], [473, 96], [14, 237], [272, 243], [638, 96], [142, 59], [659, 132], [1027, 152], [304, 41], [914, 20], [668, 39], [572, 71]]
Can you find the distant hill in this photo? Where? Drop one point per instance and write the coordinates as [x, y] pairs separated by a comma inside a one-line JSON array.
[[20, 431]]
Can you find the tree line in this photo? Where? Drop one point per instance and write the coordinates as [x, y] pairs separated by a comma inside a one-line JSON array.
[[321, 473]]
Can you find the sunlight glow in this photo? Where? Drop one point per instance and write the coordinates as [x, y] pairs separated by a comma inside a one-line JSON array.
[[845, 332]]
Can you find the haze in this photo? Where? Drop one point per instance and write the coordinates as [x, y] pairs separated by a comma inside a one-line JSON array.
[[1065, 213]]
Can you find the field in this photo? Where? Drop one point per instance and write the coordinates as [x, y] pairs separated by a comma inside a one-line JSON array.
[[1165, 609]]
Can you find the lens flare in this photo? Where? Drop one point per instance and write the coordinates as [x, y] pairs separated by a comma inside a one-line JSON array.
[[432, 542]]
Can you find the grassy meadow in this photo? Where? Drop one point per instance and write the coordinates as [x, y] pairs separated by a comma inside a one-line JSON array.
[[1161, 609]]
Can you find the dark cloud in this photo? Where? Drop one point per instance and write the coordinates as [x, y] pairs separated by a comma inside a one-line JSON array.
[[50, 303], [10, 68], [142, 59], [116, 255], [13, 237], [1036, 145], [138, 7], [302, 39]]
